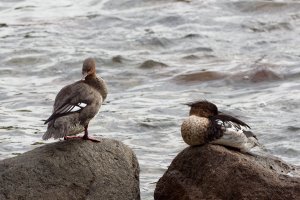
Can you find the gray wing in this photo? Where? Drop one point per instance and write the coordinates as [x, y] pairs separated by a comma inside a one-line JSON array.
[[70, 99]]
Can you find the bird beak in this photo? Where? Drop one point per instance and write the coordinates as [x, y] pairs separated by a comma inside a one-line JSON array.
[[84, 74]]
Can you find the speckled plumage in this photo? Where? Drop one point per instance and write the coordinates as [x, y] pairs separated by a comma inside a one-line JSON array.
[[194, 130], [76, 104]]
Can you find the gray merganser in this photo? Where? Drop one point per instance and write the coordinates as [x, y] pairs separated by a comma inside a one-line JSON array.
[[207, 125], [76, 104]]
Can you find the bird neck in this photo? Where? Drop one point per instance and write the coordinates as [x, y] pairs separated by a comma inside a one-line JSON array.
[[200, 112], [97, 83]]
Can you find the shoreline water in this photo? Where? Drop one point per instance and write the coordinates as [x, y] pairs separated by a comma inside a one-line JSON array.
[[200, 50]]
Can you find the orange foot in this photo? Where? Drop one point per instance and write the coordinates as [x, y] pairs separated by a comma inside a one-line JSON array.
[[85, 137]]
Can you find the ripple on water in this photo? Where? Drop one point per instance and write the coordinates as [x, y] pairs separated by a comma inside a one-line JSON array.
[[258, 26], [264, 7], [154, 55], [149, 64], [293, 128]]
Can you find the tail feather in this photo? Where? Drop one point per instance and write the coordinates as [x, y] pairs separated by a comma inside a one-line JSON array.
[[47, 135], [55, 130], [55, 133], [63, 126]]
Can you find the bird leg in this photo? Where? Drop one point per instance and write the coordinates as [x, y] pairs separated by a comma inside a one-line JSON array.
[[86, 137]]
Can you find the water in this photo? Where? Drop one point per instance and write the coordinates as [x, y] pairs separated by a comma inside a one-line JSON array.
[[155, 55]]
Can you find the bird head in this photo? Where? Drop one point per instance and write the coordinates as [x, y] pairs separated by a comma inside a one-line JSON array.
[[88, 68]]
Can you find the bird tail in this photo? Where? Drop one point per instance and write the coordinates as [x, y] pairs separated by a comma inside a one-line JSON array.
[[258, 149], [47, 135]]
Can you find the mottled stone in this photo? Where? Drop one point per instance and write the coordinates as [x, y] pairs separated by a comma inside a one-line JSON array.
[[215, 172], [72, 169]]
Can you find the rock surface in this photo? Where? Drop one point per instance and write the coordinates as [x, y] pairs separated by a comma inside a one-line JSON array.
[[215, 172], [72, 169], [148, 64]]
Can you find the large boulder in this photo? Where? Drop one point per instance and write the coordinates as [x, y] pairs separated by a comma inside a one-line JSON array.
[[72, 169], [215, 172]]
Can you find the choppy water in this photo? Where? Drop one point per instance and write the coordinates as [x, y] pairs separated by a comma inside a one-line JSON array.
[[155, 55]]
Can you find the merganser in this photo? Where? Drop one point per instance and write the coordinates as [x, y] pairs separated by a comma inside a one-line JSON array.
[[76, 104], [207, 125]]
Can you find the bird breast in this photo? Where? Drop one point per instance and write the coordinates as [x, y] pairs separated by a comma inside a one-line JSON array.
[[194, 130]]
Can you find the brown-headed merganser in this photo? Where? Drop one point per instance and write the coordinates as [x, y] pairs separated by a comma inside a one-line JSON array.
[[76, 104], [207, 125]]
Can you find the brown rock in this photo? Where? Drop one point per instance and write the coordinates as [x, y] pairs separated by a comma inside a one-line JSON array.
[[72, 169], [200, 76], [117, 59], [149, 64], [215, 172], [264, 75]]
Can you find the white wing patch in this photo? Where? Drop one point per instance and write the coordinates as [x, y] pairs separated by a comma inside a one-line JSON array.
[[65, 110], [231, 126], [82, 105], [234, 136], [77, 107]]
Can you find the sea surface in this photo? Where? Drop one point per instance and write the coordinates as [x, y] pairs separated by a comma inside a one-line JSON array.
[[155, 55]]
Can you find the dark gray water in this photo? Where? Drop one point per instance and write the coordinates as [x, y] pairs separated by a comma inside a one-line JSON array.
[[154, 55]]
